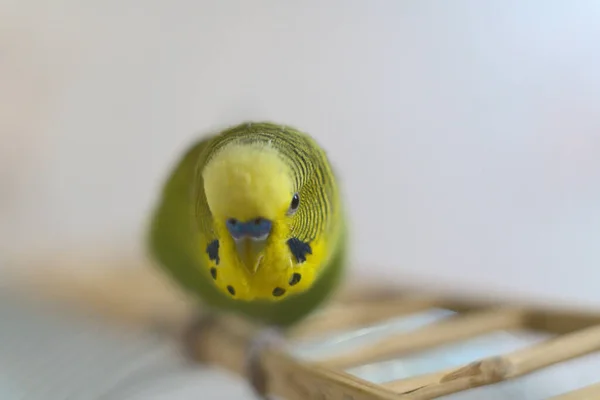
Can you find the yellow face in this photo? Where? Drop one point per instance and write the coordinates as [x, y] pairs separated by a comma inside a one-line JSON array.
[[246, 182], [251, 195]]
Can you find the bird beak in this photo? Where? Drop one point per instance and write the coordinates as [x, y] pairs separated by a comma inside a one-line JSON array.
[[250, 240], [250, 251]]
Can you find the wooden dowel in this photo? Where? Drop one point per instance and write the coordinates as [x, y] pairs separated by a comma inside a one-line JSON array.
[[431, 386], [287, 377], [141, 296], [132, 292], [591, 392], [345, 317], [496, 369], [126, 293], [562, 321], [555, 350], [359, 291], [446, 331]]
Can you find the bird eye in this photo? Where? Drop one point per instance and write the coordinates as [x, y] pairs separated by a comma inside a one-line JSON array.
[[294, 204]]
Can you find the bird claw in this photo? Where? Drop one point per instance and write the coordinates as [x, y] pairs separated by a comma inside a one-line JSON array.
[[199, 324], [267, 337]]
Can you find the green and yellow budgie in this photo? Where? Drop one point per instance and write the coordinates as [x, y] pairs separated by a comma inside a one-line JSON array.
[[251, 221]]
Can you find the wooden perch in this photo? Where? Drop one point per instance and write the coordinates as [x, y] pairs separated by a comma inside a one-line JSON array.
[[108, 292], [447, 331], [591, 392], [289, 378], [496, 369], [345, 317]]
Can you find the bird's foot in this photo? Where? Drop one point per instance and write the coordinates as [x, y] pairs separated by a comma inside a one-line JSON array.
[[263, 339], [194, 332]]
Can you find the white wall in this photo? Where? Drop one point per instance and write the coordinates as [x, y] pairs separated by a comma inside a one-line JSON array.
[[467, 133]]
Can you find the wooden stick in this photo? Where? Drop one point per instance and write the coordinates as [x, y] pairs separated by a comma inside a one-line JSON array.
[[591, 392], [135, 292], [430, 386], [128, 293], [552, 351], [496, 369], [138, 295], [361, 291], [561, 321], [345, 317], [287, 377], [446, 331]]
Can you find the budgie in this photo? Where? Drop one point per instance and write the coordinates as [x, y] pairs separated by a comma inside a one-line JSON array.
[[251, 221]]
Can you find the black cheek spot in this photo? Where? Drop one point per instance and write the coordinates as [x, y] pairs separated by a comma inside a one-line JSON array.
[[295, 279], [213, 272], [299, 249], [278, 292], [231, 290], [213, 251]]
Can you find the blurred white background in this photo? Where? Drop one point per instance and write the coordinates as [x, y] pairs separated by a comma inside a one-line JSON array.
[[466, 133]]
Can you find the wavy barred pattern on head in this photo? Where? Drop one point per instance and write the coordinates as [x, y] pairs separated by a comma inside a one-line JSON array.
[[311, 172], [253, 171]]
